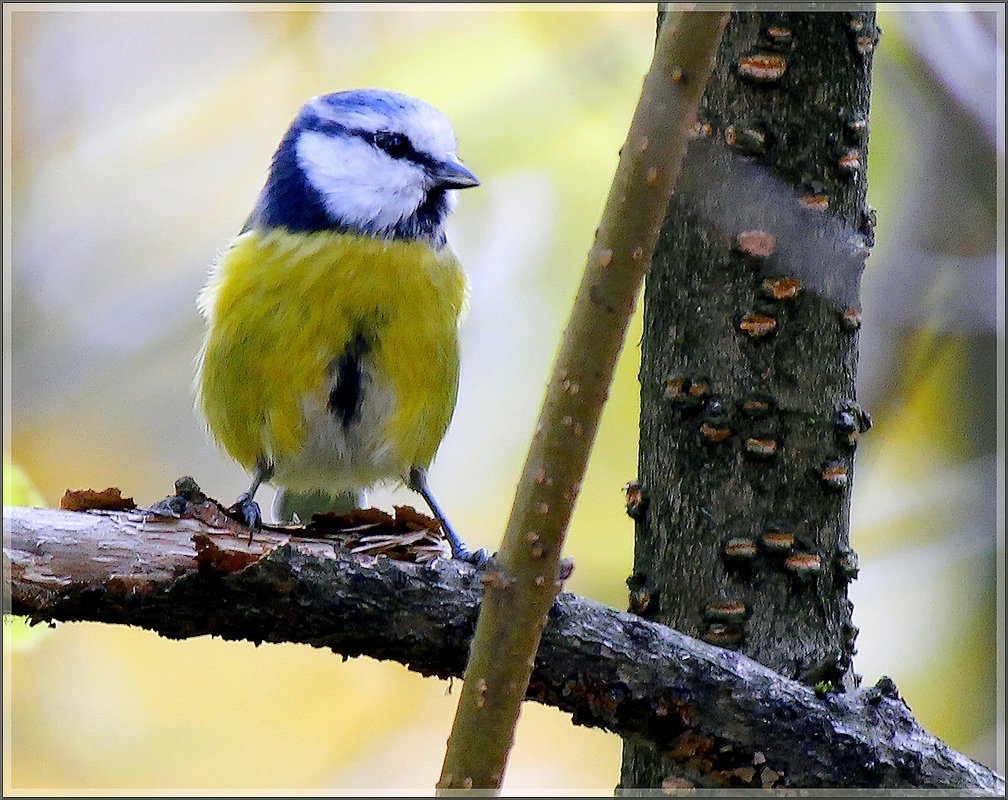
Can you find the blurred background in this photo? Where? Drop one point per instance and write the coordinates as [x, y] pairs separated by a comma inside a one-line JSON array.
[[135, 144]]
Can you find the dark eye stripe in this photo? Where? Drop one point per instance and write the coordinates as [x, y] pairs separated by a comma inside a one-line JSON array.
[[395, 144]]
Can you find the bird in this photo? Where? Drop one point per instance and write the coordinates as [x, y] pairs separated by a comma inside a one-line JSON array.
[[330, 360]]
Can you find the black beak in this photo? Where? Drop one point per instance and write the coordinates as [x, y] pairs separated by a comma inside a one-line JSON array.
[[452, 175]]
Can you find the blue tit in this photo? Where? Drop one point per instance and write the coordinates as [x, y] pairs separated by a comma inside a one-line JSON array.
[[330, 361]]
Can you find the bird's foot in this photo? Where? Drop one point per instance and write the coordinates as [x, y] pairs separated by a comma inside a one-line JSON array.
[[461, 551], [478, 558], [248, 509]]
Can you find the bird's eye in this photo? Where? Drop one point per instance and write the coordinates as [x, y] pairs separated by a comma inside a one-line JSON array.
[[395, 144]]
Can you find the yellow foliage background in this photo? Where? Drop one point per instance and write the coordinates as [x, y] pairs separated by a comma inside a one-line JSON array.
[[136, 141]]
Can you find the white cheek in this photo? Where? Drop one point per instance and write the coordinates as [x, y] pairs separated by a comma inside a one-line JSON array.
[[359, 184]]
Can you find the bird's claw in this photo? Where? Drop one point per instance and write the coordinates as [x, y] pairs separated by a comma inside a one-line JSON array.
[[248, 509], [478, 558]]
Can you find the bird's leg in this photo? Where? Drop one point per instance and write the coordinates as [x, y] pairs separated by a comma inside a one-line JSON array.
[[246, 505], [418, 483]]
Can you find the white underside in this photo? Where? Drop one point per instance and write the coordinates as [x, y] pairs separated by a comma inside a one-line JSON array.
[[337, 458]]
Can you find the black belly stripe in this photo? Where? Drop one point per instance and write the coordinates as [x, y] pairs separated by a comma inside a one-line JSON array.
[[347, 376]]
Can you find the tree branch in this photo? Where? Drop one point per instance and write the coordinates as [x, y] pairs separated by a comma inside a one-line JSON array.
[[512, 619], [728, 720]]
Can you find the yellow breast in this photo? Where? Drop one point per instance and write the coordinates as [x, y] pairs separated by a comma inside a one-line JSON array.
[[282, 307]]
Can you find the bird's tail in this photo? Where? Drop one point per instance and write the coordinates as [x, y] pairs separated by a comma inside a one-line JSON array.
[[299, 506]]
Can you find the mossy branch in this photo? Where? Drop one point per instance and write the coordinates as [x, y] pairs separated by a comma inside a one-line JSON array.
[[526, 575]]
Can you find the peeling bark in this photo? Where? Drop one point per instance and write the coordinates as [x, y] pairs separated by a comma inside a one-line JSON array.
[[725, 719]]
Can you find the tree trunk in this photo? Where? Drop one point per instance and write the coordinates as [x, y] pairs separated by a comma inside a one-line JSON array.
[[748, 413]]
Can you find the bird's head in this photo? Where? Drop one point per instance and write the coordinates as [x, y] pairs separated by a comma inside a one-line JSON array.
[[367, 161]]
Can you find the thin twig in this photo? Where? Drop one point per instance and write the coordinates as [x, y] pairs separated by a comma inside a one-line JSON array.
[[526, 575]]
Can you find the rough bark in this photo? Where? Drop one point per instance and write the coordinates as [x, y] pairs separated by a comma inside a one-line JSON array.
[[749, 418], [727, 720]]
